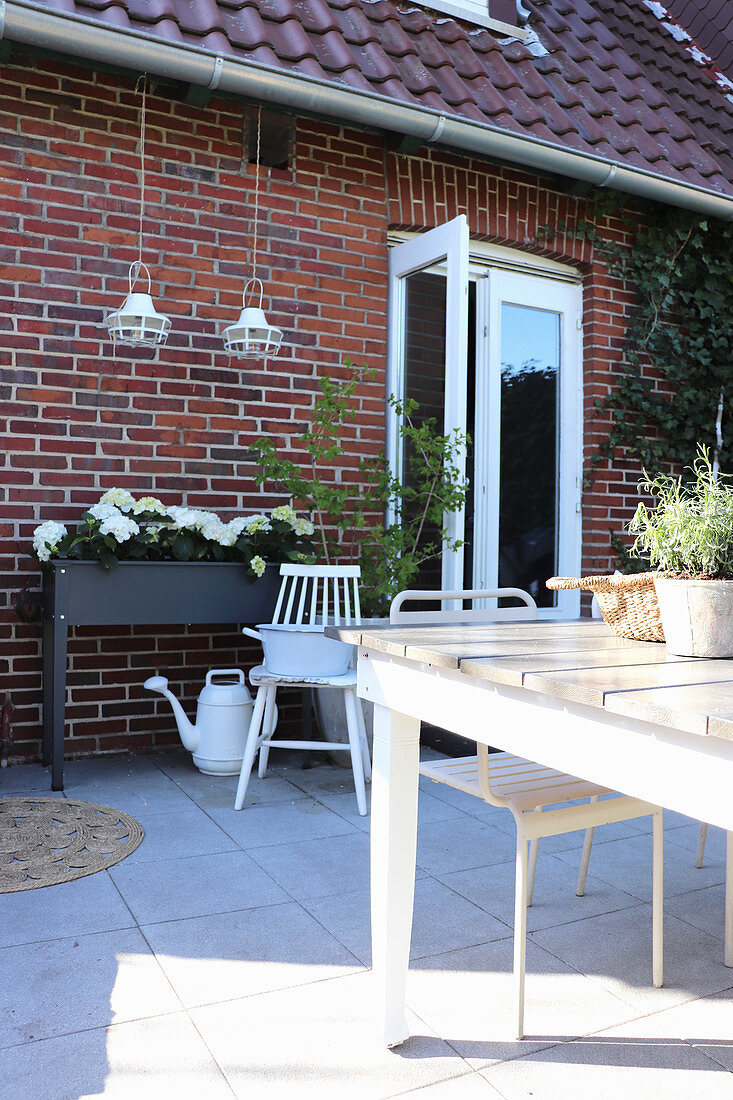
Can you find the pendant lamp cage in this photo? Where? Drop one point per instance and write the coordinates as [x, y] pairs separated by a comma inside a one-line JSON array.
[[251, 336], [137, 322]]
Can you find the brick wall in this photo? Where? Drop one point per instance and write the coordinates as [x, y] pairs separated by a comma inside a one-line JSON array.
[[177, 423]]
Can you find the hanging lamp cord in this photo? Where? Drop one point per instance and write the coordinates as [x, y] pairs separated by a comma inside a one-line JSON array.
[[144, 81], [257, 191]]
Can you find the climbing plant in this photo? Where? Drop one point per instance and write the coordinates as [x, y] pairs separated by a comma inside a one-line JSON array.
[[681, 329]]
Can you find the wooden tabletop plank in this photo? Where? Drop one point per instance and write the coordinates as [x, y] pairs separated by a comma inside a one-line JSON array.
[[457, 654], [593, 685], [695, 707], [438, 643], [512, 669], [578, 660]]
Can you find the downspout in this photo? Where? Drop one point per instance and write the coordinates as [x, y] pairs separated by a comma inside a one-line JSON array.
[[77, 37]]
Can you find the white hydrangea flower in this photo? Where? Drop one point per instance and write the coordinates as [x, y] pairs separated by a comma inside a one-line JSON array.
[[284, 512], [154, 530], [254, 524], [149, 504], [46, 538], [257, 565], [103, 511], [212, 528], [227, 537], [236, 526], [122, 527], [120, 498], [303, 526], [184, 518]]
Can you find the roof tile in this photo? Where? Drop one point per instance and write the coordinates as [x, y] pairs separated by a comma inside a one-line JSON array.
[[614, 83]]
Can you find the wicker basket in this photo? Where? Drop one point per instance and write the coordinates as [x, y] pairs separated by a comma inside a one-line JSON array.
[[628, 603]]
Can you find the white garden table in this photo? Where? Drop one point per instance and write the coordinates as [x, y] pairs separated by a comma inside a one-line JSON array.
[[570, 695]]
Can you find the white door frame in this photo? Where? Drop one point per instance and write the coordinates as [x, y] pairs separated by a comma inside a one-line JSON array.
[[500, 275], [555, 296]]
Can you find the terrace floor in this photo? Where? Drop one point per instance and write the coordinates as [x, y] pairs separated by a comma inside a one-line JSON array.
[[228, 956]]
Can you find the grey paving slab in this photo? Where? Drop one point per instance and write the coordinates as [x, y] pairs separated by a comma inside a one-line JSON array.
[[149, 1059], [554, 902], [331, 1050], [686, 836], [704, 909], [460, 843], [467, 997], [627, 865], [315, 868], [471, 1086], [442, 920], [429, 809], [188, 832], [459, 800], [81, 982], [118, 768], [609, 1069], [218, 791], [152, 793], [25, 777], [321, 778], [615, 950], [705, 1024], [281, 823], [194, 886], [231, 955], [91, 904]]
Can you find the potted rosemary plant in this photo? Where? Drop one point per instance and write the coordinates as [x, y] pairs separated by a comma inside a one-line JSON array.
[[688, 536]]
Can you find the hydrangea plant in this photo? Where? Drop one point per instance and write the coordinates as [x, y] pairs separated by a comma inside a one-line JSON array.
[[690, 531], [120, 528]]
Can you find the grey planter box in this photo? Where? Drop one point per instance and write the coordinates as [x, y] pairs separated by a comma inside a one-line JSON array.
[[83, 593]]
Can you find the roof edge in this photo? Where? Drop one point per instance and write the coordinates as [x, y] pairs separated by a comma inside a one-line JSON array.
[[76, 36]]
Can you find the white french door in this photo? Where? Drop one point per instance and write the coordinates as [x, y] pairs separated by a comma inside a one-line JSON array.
[[494, 349], [428, 342]]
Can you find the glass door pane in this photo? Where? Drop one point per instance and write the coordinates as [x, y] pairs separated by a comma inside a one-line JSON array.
[[425, 328], [528, 490]]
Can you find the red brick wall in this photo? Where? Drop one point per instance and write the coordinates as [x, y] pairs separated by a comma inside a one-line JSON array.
[[178, 423]]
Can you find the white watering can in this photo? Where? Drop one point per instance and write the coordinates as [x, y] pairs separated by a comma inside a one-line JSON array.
[[222, 720]]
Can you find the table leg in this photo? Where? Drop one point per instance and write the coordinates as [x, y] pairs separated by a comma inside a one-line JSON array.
[[393, 847]]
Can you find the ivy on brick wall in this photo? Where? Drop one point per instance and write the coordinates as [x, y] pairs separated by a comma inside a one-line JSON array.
[[681, 330]]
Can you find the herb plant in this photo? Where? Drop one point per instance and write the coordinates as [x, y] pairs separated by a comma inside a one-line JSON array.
[[690, 531]]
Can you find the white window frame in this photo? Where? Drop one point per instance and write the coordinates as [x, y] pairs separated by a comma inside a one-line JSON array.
[[510, 276], [478, 12]]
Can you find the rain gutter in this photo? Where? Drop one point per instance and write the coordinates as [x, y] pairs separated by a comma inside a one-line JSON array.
[[26, 23]]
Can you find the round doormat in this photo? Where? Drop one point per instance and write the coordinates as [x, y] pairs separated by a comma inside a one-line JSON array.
[[44, 841]]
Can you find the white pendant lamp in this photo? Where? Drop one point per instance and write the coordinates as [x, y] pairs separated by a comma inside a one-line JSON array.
[[251, 336], [137, 322]]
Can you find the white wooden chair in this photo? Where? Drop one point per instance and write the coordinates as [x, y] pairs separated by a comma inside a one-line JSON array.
[[525, 788], [309, 594]]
